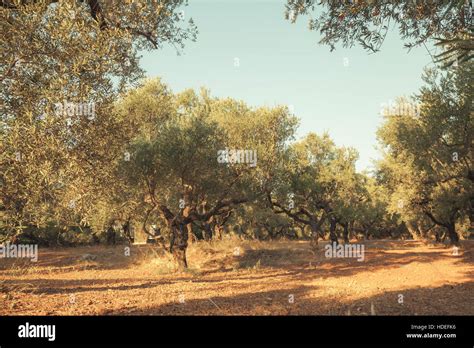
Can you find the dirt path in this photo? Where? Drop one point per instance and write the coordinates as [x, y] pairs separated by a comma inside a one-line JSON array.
[[242, 278]]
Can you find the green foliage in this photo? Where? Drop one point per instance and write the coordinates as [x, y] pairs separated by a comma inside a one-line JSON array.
[[174, 169], [56, 163], [428, 163], [367, 23]]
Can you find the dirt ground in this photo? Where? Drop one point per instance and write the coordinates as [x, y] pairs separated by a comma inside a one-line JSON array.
[[234, 277]]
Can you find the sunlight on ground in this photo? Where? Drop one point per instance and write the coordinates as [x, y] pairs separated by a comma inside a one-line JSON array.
[[234, 277]]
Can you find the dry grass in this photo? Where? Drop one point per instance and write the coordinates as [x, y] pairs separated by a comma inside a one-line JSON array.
[[235, 277]]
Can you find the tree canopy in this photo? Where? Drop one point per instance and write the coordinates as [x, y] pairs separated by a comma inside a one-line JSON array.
[[428, 164], [367, 23], [64, 63]]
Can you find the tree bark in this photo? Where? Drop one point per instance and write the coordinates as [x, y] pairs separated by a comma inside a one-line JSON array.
[[346, 232], [217, 231], [191, 236], [413, 230], [207, 231], [453, 235], [314, 233], [110, 236], [179, 243], [332, 231], [315, 228], [127, 231]]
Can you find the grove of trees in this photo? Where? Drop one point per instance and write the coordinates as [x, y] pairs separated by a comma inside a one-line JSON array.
[[149, 160]]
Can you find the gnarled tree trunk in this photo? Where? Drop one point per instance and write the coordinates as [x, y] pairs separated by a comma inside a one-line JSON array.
[[345, 234], [314, 233], [332, 230], [450, 226], [207, 231], [179, 243], [315, 229], [191, 236], [453, 235]]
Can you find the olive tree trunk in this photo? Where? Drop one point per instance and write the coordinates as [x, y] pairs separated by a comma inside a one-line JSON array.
[[179, 244]]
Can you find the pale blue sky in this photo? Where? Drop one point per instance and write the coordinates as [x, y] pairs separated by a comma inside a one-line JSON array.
[[282, 63]]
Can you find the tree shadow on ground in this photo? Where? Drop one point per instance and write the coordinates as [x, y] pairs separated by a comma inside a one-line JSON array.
[[444, 300], [68, 286], [316, 264], [83, 258]]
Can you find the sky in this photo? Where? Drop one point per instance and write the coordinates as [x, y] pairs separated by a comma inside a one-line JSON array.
[[246, 50]]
